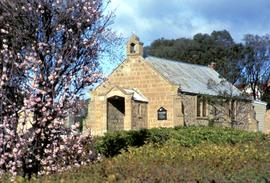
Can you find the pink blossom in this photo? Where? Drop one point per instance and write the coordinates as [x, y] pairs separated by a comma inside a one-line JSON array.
[[45, 106], [37, 99]]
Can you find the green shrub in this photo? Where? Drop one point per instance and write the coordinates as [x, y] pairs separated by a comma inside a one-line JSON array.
[[113, 143], [180, 154], [206, 162], [138, 138], [159, 135]]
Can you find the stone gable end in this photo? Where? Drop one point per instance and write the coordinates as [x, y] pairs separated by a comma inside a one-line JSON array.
[[135, 73]]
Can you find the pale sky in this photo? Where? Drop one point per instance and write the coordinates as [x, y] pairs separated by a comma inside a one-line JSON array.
[[172, 19], [153, 19]]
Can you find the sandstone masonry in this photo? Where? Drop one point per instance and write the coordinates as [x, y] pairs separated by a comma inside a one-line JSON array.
[[136, 95]]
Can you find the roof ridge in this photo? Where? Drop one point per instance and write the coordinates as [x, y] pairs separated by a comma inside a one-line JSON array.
[[177, 61]]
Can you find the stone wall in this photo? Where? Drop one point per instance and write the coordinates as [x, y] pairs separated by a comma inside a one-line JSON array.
[[139, 115], [267, 122], [189, 103], [218, 113], [188, 106], [237, 114], [135, 73]]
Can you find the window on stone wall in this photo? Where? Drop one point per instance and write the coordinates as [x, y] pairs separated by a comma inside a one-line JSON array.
[[204, 107], [183, 108], [232, 110], [140, 110], [201, 106], [162, 114]]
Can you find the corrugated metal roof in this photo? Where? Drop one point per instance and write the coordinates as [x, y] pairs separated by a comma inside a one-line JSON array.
[[192, 78]]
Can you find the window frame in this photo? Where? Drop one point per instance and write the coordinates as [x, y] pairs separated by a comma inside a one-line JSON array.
[[202, 107], [162, 109]]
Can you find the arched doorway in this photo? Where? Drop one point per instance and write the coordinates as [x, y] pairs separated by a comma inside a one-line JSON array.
[[115, 113]]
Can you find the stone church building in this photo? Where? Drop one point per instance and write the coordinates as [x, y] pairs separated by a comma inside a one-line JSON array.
[[153, 92]]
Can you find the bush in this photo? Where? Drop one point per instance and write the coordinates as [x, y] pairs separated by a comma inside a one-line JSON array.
[[206, 162], [191, 136], [113, 143], [180, 154]]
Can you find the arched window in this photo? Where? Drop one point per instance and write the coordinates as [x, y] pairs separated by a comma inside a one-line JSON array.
[[162, 114], [201, 106], [132, 48]]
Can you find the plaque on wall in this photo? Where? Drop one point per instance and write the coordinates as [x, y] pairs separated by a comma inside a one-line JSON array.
[[162, 114]]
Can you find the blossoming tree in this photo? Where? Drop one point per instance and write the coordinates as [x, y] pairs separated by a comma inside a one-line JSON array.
[[49, 53]]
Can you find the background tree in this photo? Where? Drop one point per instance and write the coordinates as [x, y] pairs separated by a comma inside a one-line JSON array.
[[49, 54], [245, 64], [230, 108], [219, 47], [266, 97], [257, 65]]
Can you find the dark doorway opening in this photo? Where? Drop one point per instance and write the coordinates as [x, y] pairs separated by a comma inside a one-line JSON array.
[[132, 48], [115, 113]]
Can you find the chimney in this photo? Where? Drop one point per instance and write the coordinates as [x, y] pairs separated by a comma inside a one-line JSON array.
[[212, 65]]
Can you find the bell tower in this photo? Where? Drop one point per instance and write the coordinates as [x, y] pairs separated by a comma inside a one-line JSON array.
[[134, 46]]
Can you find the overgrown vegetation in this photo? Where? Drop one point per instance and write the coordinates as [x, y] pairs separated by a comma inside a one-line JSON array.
[[112, 143], [181, 154]]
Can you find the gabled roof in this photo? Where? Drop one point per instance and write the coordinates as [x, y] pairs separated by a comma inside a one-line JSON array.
[[136, 95], [192, 78]]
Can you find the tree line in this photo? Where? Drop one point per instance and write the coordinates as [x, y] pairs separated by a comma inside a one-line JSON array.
[[243, 64]]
